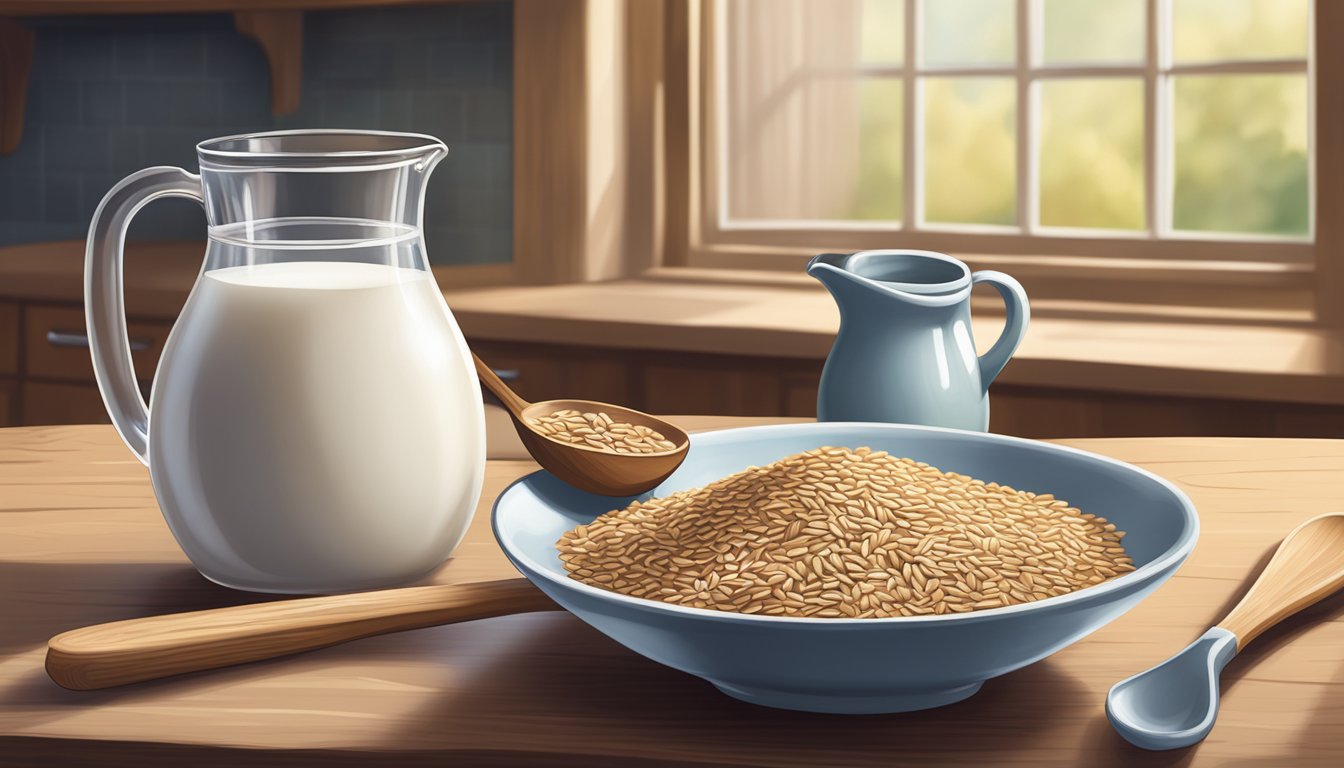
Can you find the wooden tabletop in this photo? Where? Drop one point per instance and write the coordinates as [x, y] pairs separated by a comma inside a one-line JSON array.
[[82, 541]]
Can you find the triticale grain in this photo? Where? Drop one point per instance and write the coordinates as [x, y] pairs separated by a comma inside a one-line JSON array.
[[840, 533]]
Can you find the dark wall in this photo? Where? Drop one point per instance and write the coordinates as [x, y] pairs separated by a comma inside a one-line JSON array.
[[111, 95]]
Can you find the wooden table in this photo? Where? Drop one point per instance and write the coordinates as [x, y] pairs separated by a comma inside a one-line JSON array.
[[81, 541]]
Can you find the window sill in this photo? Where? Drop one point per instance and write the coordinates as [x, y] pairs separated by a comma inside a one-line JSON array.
[[1190, 354]]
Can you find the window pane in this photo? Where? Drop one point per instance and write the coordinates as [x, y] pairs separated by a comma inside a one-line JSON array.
[[969, 151], [1087, 31], [1241, 154], [958, 32], [883, 34], [1208, 30], [877, 194], [1092, 153], [796, 114]]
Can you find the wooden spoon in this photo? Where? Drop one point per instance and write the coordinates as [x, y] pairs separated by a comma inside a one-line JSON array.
[[135, 650], [597, 471]]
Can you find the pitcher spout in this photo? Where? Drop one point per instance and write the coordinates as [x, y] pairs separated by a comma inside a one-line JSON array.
[[846, 286], [898, 278]]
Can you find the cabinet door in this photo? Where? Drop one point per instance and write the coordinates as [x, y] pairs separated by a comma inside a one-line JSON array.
[[57, 348], [800, 395], [8, 417], [9, 338], [538, 372], [51, 403], [685, 387]]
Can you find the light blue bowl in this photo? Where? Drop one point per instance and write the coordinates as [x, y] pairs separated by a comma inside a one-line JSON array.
[[861, 665]]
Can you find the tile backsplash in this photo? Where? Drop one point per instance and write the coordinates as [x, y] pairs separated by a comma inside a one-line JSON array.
[[111, 95]]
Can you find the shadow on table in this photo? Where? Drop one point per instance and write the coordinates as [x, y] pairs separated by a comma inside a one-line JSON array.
[[1323, 733], [565, 676], [38, 600], [567, 691]]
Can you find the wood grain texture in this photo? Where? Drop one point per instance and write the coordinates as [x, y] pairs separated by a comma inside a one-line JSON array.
[[81, 542], [136, 650], [551, 178], [1328, 180], [1307, 566]]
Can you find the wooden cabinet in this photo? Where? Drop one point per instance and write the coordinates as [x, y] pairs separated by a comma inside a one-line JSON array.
[[42, 382], [682, 383], [8, 403], [539, 372], [56, 345], [658, 382], [46, 372], [49, 402], [46, 376], [9, 338], [9, 363]]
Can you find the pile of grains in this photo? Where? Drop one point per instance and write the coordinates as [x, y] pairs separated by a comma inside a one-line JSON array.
[[835, 532], [600, 431]]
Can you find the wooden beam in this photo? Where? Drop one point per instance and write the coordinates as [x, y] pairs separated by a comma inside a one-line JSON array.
[[280, 35], [550, 138], [16, 62], [586, 138], [1329, 177]]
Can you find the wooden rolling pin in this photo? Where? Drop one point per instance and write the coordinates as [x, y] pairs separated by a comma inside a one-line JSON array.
[[135, 650]]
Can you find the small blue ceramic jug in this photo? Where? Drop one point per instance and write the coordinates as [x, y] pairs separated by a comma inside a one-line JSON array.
[[904, 353]]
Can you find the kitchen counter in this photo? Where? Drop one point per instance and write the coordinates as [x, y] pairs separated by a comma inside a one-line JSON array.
[[82, 541], [782, 316]]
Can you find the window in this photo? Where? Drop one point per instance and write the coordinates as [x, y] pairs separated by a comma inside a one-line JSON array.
[[1159, 130]]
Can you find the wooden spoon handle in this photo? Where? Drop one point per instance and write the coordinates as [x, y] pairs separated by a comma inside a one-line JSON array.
[[134, 650], [1307, 566], [498, 388]]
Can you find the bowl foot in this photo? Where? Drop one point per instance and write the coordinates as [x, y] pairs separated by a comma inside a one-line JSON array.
[[905, 701]]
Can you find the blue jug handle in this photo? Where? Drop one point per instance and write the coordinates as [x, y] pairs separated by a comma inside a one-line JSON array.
[[1014, 328]]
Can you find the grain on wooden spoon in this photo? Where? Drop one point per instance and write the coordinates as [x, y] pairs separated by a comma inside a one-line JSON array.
[[588, 465]]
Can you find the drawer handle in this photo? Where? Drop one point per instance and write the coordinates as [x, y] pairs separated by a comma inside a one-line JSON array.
[[81, 340], [506, 374]]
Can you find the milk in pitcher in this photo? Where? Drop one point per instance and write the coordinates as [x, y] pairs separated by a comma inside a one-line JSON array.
[[315, 426]]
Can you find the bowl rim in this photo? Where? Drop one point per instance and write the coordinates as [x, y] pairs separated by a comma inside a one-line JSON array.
[[1168, 560]]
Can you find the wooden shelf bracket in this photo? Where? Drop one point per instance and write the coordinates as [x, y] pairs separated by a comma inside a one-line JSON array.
[[280, 35], [16, 62]]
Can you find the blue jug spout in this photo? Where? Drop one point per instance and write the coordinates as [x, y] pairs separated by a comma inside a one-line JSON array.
[[829, 269]]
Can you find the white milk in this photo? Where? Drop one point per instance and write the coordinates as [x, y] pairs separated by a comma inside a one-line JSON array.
[[317, 427]]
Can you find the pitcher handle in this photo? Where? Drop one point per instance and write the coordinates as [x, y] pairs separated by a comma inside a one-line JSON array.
[[104, 300], [1014, 328]]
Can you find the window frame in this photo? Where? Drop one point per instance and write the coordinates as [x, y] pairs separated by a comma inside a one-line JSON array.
[[1296, 278]]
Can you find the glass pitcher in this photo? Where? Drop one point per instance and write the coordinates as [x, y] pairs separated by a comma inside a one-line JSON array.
[[315, 423]]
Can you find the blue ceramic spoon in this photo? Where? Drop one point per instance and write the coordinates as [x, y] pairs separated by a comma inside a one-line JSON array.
[[1174, 704]]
